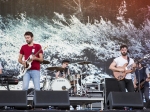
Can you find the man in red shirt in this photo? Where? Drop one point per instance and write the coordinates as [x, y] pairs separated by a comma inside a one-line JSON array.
[[35, 53]]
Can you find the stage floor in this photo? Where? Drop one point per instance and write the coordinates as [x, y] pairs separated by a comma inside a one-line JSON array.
[[74, 110]]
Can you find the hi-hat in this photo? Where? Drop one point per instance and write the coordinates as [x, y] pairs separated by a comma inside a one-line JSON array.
[[84, 62], [55, 68], [45, 62]]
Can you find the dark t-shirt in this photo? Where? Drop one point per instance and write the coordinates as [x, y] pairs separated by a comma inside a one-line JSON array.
[[27, 51], [65, 71]]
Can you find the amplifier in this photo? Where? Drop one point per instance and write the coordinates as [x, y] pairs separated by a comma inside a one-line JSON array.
[[94, 87], [95, 94]]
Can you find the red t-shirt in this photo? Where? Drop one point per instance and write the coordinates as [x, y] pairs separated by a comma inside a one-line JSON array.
[[27, 51]]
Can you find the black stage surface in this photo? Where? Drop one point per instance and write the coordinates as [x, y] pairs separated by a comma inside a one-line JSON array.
[[74, 110]]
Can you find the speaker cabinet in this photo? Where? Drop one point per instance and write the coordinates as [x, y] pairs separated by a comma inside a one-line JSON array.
[[13, 98], [111, 85], [51, 98], [120, 100]]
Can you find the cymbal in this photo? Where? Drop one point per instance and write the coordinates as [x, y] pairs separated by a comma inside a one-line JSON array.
[[55, 68], [45, 62], [84, 62]]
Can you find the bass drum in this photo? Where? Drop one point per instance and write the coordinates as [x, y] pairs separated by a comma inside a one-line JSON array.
[[60, 84]]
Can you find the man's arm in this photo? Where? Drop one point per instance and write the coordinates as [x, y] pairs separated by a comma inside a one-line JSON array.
[[68, 72], [1, 68], [114, 68], [147, 73], [20, 60], [0, 71], [135, 81], [40, 59], [57, 74], [133, 67]]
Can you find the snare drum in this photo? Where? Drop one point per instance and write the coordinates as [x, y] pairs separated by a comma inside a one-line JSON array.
[[60, 84]]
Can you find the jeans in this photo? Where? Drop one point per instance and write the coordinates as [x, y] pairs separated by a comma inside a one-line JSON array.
[[126, 84], [35, 75]]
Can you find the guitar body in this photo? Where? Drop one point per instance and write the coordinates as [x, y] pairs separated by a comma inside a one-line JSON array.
[[121, 75], [23, 69], [142, 82], [137, 89]]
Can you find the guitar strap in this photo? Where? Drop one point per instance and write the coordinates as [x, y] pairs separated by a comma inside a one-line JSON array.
[[128, 59], [32, 52], [33, 49]]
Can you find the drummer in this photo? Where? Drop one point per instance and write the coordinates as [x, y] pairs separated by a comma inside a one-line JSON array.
[[66, 72]]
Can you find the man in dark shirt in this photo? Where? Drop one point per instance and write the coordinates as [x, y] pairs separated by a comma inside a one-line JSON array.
[[66, 70], [142, 75]]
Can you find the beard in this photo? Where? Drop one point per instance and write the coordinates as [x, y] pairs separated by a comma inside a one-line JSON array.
[[29, 42], [124, 54]]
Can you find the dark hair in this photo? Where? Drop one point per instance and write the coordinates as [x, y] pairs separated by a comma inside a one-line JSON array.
[[28, 33], [122, 46], [142, 64], [65, 61]]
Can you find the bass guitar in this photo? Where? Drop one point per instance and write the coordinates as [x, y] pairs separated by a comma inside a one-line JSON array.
[[28, 62], [121, 75], [141, 85], [142, 82]]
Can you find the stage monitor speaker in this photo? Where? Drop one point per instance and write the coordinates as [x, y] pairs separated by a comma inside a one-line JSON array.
[[111, 85], [13, 98], [119, 100], [51, 98]]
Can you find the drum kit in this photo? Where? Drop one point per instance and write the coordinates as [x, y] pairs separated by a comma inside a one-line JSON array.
[[70, 82]]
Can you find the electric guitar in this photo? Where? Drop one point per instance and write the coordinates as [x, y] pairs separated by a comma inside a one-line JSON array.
[[28, 62], [141, 85], [121, 75]]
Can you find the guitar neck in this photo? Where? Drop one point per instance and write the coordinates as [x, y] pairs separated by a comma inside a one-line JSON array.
[[37, 52], [143, 82]]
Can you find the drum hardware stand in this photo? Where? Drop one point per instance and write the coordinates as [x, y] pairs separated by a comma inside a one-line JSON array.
[[82, 90], [46, 84], [78, 87]]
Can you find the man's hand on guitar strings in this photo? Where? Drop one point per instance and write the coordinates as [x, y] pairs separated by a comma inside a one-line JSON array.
[[34, 57], [134, 65], [148, 79], [24, 63]]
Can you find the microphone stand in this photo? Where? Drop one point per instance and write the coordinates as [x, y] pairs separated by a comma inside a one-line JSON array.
[[139, 78]]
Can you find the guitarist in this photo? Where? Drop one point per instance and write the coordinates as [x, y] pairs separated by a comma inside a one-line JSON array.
[[116, 65], [146, 85], [141, 78], [26, 51]]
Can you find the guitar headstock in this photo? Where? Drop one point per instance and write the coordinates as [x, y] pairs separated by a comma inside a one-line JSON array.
[[45, 47], [145, 57]]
